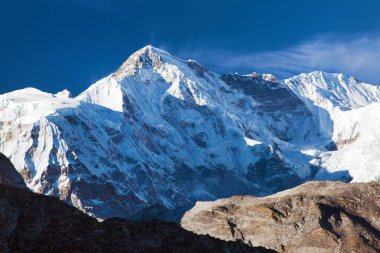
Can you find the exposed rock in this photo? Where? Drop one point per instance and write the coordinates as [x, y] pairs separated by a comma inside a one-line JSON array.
[[314, 217], [9, 175], [31, 222]]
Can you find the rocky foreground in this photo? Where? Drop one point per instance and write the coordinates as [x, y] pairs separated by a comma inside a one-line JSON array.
[[314, 217], [32, 222], [9, 175]]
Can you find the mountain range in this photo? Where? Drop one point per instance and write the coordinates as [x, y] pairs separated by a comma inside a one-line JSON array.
[[161, 133]]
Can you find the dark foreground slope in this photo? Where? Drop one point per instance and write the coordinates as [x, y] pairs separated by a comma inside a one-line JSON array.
[[31, 222], [9, 175], [314, 217], [35, 223]]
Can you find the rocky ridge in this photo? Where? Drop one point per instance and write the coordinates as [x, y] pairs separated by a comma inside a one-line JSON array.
[[314, 217]]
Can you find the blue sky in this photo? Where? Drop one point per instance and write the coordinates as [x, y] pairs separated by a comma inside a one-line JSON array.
[[57, 44]]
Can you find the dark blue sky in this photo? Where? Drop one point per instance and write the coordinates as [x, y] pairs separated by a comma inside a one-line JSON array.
[[57, 44]]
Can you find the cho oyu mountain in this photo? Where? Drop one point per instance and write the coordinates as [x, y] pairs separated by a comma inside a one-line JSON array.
[[161, 133]]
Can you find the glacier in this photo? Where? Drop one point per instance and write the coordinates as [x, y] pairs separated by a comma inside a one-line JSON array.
[[161, 133]]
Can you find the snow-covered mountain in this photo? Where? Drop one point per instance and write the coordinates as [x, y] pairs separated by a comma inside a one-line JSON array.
[[348, 111], [161, 133]]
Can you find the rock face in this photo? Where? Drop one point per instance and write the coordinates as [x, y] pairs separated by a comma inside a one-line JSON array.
[[9, 175], [31, 222], [314, 217]]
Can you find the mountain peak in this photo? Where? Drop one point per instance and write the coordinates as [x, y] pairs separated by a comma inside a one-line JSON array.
[[63, 94], [145, 57], [327, 75], [319, 77], [151, 49], [266, 77], [26, 94], [329, 90]]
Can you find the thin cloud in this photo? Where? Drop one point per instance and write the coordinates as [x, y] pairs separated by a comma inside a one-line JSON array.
[[358, 57]]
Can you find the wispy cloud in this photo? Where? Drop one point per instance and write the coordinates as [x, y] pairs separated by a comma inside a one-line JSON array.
[[359, 57]]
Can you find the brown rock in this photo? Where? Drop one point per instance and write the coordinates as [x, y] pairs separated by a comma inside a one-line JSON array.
[[314, 217], [31, 222]]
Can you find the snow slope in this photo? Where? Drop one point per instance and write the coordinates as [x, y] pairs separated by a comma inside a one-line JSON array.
[[348, 110], [164, 132]]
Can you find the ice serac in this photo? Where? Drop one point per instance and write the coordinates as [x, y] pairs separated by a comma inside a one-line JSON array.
[[161, 133]]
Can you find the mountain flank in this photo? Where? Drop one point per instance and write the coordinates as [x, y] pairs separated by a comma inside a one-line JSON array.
[[314, 217]]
